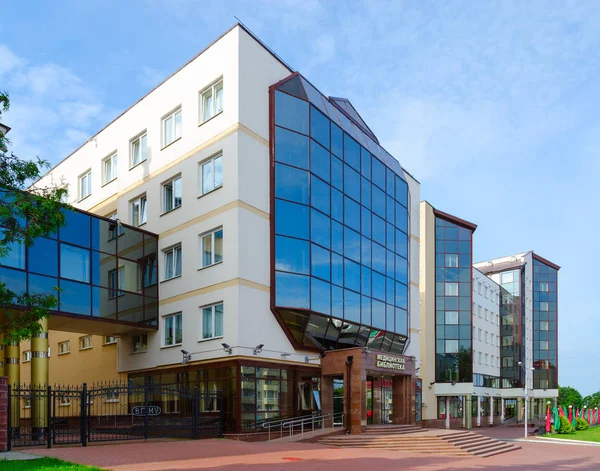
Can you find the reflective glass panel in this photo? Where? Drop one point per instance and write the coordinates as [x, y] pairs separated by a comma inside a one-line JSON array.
[[292, 255], [291, 113], [291, 184], [291, 148]]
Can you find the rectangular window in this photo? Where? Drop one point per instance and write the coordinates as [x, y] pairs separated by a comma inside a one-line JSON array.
[[544, 306], [485, 291], [543, 345], [139, 343], [109, 339], [139, 150], [171, 127], [172, 262], [544, 325], [486, 358], [486, 337], [544, 287], [109, 169], [85, 185], [479, 311], [85, 342], [479, 287], [211, 101], [480, 355], [173, 330], [116, 282], [212, 321], [452, 260], [479, 334], [139, 211], [212, 247], [64, 347], [212, 174], [172, 194], [26, 356]]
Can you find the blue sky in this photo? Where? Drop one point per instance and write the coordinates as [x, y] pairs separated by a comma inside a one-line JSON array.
[[491, 105]]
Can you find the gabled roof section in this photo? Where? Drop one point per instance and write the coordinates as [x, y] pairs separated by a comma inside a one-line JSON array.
[[347, 108]]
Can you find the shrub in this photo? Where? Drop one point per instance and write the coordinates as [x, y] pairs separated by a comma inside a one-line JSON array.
[[581, 424], [565, 426]]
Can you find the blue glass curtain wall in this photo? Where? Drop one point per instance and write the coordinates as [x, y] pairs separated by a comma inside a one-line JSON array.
[[453, 284], [341, 232], [101, 269], [510, 329]]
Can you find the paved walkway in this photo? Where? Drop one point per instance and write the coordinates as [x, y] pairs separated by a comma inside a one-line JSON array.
[[227, 455]]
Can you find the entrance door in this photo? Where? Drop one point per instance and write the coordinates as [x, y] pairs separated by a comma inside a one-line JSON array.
[[386, 401], [369, 400], [309, 399], [338, 401]]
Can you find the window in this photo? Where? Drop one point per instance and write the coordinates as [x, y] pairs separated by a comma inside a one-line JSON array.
[[480, 355], [212, 321], [486, 337], [451, 289], [544, 287], [486, 358], [85, 185], [139, 343], [64, 347], [544, 306], [212, 101], [173, 330], [26, 356], [110, 339], [543, 345], [485, 291], [544, 325], [116, 282], [479, 334], [172, 194], [212, 247], [111, 395], [452, 260], [172, 262], [139, 150], [109, 169], [85, 342], [212, 174], [115, 229], [139, 211], [171, 127], [479, 287], [479, 311]]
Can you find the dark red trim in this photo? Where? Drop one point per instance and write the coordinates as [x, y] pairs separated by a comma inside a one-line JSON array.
[[454, 219], [545, 262]]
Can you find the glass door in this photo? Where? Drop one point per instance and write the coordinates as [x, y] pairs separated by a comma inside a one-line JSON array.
[[386, 401], [338, 401], [369, 400]]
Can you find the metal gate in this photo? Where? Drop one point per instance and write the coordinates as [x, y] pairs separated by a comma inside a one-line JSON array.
[[78, 414]]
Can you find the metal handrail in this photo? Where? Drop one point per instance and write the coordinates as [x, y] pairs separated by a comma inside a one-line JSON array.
[[301, 421]]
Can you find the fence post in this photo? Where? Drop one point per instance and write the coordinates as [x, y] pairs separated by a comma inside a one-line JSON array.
[[146, 411], [49, 415], [8, 423], [195, 413], [221, 402], [83, 414]]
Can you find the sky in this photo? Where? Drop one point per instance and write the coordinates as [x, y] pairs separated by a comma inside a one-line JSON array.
[[492, 106]]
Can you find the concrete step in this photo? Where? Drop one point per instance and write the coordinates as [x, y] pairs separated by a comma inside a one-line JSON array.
[[472, 442], [506, 449]]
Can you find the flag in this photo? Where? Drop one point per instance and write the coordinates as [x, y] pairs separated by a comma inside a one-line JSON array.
[[560, 411], [556, 419], [548, 426], [571, 418], [577, 413], [574, 420]]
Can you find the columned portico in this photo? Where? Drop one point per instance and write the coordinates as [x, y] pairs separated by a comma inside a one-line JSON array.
[[353, 365]]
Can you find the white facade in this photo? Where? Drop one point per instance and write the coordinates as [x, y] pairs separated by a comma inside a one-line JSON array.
[[486, 325], [240, 134]]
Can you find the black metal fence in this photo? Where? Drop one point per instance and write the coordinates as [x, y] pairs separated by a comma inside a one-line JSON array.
[[47, 416]]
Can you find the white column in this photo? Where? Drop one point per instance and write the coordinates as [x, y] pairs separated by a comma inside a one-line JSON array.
[[447, 412], [502, 410], [479, 411], [491, 410]]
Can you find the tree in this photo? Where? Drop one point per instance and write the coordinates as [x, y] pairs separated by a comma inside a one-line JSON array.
[[568, 396], [592, 400], [24, 216]]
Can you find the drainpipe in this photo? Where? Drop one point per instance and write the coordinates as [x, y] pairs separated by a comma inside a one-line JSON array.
[[348, 387]]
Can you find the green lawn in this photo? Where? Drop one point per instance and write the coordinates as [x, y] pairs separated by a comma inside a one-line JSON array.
[[44, 464], [589, 435]]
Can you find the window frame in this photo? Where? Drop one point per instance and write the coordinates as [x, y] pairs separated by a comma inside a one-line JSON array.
[[210, 160], [132, 141], [112, 342], [212, 89], [211, 233], [144, 212], [26, 356], [173, 329], [172, 248], [68, 344], [118, 290], [163, 189], [113, 160], [82, 338], [87, 176], [213, 321], [133, 343], [163, 121]]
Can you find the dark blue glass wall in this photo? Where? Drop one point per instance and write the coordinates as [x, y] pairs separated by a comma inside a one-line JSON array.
[[511, 351], [453, 285], [100, 269], [340, 231]]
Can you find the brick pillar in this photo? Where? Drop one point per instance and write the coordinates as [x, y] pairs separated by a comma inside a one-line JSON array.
[[4, 413], [327, 397], [377, 401], [403, 400], [358, 398]]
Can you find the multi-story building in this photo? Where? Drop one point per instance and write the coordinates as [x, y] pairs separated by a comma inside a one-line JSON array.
[[486, 329], [284, 235]]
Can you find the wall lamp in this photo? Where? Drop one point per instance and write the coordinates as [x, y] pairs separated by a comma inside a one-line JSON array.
[[258, 348], [285, 354], [227, 348], [187, 356]]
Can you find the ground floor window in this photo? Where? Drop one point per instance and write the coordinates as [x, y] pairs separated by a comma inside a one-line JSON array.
[[454, 408]]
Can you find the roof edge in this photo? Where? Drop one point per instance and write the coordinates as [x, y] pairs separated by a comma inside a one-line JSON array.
[[544, 261], [456, 220]]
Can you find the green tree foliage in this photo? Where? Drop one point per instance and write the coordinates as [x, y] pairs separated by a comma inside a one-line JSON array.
[[24, 216], [568, 396], [592, 400], [581, 424], [565, 425]]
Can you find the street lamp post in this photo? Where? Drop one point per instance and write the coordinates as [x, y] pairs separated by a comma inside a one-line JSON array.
[[525, 398]]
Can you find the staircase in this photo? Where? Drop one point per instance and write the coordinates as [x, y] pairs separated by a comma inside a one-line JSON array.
[[416, 440]]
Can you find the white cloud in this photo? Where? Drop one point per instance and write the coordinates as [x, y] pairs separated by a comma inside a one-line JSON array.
[[8, 60], [149, 77]]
